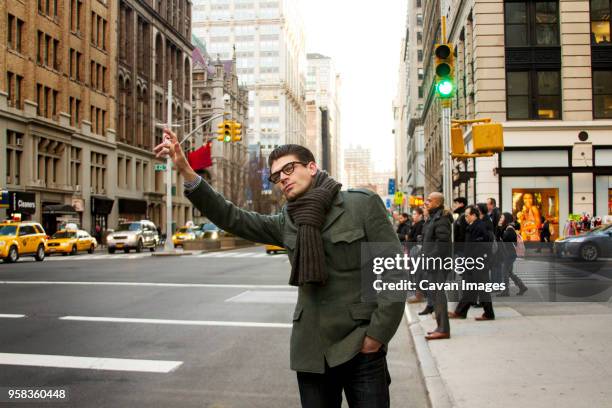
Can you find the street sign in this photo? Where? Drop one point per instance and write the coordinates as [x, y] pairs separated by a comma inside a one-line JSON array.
[[391, 186], [388, 203], [160, 167]]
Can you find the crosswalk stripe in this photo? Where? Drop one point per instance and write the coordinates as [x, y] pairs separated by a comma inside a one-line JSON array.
[[154, 284], [11, 316], [90, 363], [178, 322]]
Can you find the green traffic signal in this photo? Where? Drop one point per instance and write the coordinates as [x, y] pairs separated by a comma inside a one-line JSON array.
[[227, 138], [445, 88]]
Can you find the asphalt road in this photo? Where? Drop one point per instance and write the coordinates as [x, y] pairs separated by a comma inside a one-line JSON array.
[[139, 331]]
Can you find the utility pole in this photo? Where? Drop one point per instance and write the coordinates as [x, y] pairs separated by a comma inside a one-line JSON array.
[[168, 246], [447, 169]]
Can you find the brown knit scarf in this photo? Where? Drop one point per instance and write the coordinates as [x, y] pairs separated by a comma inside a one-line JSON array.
[[308, 212]]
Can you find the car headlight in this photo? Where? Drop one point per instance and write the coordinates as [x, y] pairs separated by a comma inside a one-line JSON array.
[[214, 235], [109, 238]]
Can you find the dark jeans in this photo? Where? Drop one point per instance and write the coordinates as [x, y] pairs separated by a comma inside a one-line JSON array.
[[440, 303], [365, 380], [469, 297]]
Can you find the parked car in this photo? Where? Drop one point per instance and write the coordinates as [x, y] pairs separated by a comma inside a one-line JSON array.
[[588, 246], [19, 238], [133, 235], [71, 242]]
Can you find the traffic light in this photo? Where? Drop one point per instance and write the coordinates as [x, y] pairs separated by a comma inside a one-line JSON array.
[[488, 137], [224, 131], [444, 69], [236, 131]]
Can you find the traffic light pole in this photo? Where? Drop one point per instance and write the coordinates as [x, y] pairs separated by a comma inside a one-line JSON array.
[[447, 167], [168, 246]]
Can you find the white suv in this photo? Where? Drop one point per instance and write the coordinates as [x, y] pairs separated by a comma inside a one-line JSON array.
[[133, 235]]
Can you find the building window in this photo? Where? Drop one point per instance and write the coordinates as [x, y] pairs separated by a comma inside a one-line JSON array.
[[14, 84], [602, 94], [14, 33], [531, 23], [14, 155], [75, 166], [600, 22], [533, 94]]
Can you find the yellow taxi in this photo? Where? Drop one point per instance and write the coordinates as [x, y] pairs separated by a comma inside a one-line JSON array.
[[272, 249], [70, 242], [183, 234], [22, 238]]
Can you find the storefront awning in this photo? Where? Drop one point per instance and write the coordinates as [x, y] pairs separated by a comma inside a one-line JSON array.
[[59, 209], [101, 205], [129, 206]]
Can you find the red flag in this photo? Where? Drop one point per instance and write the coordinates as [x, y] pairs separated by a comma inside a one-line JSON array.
[[201, 158]]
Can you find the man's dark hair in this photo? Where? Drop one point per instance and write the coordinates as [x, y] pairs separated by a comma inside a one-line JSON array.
[[405, 215], [460, 200], [482, 207], [473, 210], [418, 210], [492, 201], [303, 154]]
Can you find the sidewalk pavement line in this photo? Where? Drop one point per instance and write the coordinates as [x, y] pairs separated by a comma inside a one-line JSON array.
[[162, 284], [89, 363], [437, 392], [178, 322], [12, 316]]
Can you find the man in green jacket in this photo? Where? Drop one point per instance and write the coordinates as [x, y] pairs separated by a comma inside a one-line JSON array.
[[338, 341]]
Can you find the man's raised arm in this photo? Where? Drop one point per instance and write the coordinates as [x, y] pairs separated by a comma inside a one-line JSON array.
[[250, 225]]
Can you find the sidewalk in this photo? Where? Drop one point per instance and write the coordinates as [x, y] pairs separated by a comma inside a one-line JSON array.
[[532, 355]]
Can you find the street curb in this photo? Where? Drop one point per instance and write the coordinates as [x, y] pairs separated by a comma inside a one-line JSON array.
[[204, 251], [437, 393], [171, 253]]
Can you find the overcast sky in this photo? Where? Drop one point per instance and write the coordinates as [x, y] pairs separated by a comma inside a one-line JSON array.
[[363, 38]]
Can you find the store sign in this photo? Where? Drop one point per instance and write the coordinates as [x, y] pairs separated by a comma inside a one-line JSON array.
[[398, 198], [22, 202], [391, 187]]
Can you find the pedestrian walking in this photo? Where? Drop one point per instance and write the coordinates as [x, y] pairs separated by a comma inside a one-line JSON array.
[[477, 240], [338, 342], [509, 240], [436, 243]]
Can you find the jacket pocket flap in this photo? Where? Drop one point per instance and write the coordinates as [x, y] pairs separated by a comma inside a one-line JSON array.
[[347, 236], [362, 311], [297, 313]]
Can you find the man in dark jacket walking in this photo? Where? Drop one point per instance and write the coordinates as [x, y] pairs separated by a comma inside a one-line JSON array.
[[338, 342], [436, 243], [476, 238]]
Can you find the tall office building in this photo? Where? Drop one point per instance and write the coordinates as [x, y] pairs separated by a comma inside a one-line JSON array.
[[323, 113], [268, 37], [85, 84], [357, 168]]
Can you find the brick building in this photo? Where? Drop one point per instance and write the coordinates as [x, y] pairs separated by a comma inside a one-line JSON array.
[[82, 90]]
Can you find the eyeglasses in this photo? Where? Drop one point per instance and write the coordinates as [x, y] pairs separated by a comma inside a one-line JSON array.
[[288, 169]]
